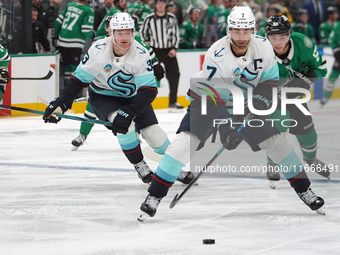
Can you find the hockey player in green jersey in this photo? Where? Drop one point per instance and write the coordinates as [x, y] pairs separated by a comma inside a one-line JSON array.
[[326, 27], [300, 64], [120, 6], [191, 31], [334, 43], [72, 27], [85, 127], [222, 18], [138, 11], [4, 76], [302, 26]]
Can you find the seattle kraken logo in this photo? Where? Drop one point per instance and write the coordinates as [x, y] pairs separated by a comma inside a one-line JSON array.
[[119, 83]]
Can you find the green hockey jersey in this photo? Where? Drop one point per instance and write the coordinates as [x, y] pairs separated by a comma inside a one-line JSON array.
[[190, 34], [4, 61], [74, 25], [324, 31], [305, 29], [222, 20], [101, 28], [334, 37], [212, 13], [262, 28], [302, 57], [138, 12], [4, 57]]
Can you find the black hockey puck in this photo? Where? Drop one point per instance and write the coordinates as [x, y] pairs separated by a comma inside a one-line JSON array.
[[208, 241]]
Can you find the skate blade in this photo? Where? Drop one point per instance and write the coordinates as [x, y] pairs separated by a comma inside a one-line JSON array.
[[175, 110], [272, 184], [142, 216], [74, 148], [320, 211]]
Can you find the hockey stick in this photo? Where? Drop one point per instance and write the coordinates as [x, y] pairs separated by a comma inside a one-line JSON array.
[[45, 100], [81, 99], [177, 197], [14, 108], [46, 77]]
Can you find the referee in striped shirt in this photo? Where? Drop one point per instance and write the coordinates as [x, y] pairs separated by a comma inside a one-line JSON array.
[[160, 31]]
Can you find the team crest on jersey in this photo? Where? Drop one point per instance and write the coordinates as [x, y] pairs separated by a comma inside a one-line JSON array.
[[108, 68], [308, 42], [236, 72], [119, 83], [217, 54]]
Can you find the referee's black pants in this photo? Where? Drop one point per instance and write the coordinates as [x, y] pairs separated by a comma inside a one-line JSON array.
[[171, 72]]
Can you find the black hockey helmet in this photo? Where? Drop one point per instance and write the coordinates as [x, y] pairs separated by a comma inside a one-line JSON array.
[[302, 11], [331, 10], [277, 24]]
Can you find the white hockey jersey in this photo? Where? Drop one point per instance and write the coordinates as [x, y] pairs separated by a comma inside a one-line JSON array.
[[110, 75], [222, 67]]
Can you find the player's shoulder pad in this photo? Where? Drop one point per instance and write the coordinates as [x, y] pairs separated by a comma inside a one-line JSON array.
[[336, 25], [322, 25], [101, 43], [185, 23], [140, 51], [147, 7], [140, 48], [262, 46], [302, 41], [218, 49]]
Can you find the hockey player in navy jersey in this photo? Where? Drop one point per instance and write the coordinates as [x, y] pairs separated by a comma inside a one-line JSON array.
[[243, 60], [118, 73]]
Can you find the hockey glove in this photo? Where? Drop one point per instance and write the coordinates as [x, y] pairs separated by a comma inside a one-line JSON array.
[[57, 105], [55, 42], [122, 121], [301, 80], [158, 71], [4, 75], [229, 136]]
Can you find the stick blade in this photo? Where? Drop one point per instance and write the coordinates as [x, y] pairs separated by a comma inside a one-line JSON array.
[[174, 201]]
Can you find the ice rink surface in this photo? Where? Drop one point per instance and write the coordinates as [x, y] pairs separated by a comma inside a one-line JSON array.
[[55, 201]]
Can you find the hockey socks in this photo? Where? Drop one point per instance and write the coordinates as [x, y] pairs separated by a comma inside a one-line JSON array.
[[300, 183], [166, 174], [85, 128], [308, 144], [159, 187], [131, 146]]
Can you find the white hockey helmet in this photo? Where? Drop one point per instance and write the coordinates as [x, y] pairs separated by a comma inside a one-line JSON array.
[[241, 17], [121, 20]]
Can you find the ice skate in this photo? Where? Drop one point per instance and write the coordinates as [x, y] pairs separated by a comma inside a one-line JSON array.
[[149, 207], [185, 177], [143, 171], [319, 167], [78, 141], [176, 107], [273, 174], [323, 101], [313, 201]]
